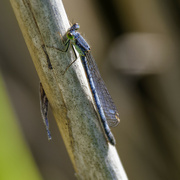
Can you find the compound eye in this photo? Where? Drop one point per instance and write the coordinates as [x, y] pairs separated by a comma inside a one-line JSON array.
[[69, 35]]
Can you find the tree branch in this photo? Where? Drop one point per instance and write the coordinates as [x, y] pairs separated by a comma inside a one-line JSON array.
[[68, 93]]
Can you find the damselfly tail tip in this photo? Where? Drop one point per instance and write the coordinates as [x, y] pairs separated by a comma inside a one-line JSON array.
[[49, 135], [112, 140]]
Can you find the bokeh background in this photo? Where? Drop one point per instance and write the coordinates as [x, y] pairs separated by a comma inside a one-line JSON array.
[[136, 44]]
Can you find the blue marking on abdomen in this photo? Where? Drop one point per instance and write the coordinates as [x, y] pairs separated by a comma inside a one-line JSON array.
[[98, 104]]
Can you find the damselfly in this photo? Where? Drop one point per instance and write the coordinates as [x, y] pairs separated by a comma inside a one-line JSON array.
[[104, 103]]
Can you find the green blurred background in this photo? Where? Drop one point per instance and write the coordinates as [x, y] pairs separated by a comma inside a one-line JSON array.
[[16, 161], [136, 46]]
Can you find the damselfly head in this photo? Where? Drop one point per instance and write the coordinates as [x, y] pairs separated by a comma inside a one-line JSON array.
[[74, 27]]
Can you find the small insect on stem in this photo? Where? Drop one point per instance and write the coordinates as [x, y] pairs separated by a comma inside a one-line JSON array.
[[104, 103], [44, 109]]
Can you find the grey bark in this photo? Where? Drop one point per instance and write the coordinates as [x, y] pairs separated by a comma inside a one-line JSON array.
[[68, 93]]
